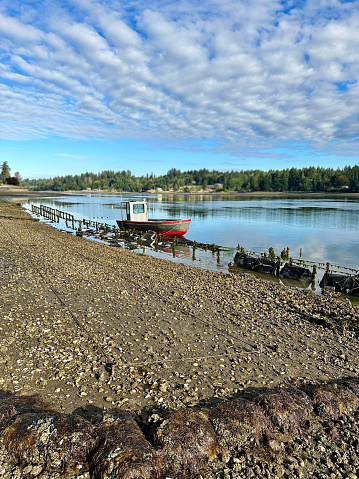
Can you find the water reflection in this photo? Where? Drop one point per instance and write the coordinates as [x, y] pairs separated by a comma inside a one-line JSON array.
[[324, 229]]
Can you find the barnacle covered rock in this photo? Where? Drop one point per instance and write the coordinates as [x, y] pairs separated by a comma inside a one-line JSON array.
[[289, 410], [12, 405], [121, 450], [188, 442], [53, 441], [334, 400], [239, 423]]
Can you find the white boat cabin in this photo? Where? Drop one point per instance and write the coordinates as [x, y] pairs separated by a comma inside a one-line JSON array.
[[136, 210]]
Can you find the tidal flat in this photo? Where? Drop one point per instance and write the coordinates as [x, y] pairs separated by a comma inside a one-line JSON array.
[[100, 332]]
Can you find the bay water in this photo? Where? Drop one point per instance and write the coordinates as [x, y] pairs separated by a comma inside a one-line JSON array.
[[317, 229]]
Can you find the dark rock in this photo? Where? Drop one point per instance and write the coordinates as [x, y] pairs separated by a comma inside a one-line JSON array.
[[341, 282], [266, 266], [261, 265], [294, 272]]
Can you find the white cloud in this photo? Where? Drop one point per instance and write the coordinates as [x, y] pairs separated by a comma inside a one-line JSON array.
[[15, 31], [243, 74]]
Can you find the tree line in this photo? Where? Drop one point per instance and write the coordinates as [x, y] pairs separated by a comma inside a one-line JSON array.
[[311, 179]]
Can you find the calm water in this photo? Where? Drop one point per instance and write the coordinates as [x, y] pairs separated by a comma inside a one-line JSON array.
[[322, 229]]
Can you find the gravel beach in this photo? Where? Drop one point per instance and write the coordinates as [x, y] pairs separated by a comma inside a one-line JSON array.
[[92, 329]]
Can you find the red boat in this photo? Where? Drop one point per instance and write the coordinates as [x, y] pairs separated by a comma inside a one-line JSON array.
[[137, 219]]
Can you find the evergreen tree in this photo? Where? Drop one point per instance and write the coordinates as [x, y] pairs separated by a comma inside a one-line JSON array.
[[5, 171], [18, 177]]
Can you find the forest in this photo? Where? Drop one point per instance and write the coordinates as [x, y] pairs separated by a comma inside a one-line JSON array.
[[311, 179]]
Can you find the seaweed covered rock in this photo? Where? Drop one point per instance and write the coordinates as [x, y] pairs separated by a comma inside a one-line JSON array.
[[122, 451], [51, 442], [289, 410], [188, 442], [239, 423], [332, 401], [12, 405]]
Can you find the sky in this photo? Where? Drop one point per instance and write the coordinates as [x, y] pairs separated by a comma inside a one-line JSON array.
[[147, 86]]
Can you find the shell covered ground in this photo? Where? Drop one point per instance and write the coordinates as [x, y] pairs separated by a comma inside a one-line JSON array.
[[98, 331]]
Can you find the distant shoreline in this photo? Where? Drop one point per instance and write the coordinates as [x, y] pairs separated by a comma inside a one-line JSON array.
[[274, 194]]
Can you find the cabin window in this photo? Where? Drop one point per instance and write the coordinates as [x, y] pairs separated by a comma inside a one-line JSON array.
[[140, 208]]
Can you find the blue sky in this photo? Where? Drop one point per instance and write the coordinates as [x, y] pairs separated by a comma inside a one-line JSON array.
[[90, 85]]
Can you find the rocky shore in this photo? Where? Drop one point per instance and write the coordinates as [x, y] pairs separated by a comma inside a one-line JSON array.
[[142, 361]]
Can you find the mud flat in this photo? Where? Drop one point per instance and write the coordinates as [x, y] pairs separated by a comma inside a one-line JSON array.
[[164, 370]]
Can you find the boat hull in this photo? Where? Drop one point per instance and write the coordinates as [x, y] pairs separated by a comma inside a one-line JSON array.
[[162, 227]]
